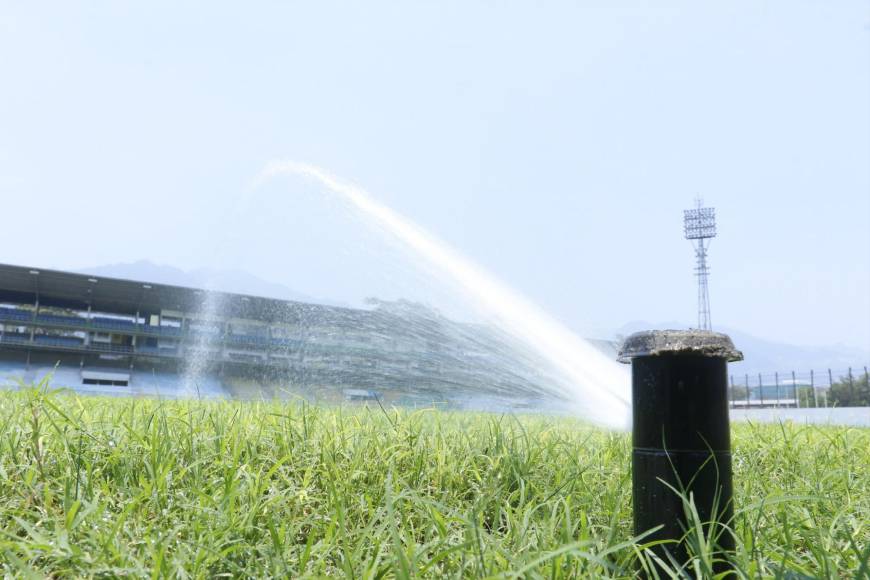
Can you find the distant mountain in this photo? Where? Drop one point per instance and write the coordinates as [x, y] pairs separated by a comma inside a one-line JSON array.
[[235, 281], [766, 356]]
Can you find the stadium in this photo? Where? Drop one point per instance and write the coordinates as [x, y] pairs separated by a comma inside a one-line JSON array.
[[128, 337]]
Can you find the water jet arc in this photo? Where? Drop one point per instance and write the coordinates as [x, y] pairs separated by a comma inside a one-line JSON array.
[[589, 379]]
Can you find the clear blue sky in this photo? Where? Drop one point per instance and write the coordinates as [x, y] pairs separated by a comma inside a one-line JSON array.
[[555, 143]]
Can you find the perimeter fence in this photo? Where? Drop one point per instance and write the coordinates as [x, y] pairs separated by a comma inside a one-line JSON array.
[[813, 388]]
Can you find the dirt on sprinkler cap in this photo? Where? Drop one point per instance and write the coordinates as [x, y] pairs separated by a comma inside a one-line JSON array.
[[667, 342]]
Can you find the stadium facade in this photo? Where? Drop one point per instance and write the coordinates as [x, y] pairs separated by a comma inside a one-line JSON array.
[[136, 337]]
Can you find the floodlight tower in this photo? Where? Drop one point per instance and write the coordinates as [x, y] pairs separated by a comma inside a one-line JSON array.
[[699, 225]]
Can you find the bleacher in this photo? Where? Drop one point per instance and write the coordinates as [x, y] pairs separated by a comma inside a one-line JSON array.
[[62, 341], [20, 315], [113, 323], [204, 330], [173, 331], [56, 319], [15, 315], [248, 339], [158, 351], [245, 357], [14, 337], [313, 345], [106, 347]]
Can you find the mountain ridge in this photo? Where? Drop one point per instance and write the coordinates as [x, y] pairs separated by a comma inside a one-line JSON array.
[[233, 280]]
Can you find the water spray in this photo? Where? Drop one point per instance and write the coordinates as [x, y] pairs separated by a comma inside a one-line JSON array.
[[586, 377], [681, 438]]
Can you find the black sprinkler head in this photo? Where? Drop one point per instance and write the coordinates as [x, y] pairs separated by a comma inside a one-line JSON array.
[[681, 437]]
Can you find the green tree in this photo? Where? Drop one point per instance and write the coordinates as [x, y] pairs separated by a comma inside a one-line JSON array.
[[738, 393], [805, 396], [851, 393]]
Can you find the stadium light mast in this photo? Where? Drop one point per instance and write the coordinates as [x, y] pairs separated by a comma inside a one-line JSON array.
[[699, 225]]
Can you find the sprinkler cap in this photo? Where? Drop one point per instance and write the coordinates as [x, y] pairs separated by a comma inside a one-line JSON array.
[[691, 342]]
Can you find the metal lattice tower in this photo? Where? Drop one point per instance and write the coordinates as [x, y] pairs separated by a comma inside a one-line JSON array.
[[699, 225]]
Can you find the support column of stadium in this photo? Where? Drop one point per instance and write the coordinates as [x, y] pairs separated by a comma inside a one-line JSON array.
[[88, 320], [185, 336], [35, 316], [133, 342], [35, 274], [146, 318], [225, 330], [303, 341], [88, 333], [269, 341]]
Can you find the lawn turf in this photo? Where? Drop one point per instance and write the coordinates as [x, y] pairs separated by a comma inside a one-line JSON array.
[[111, 487]]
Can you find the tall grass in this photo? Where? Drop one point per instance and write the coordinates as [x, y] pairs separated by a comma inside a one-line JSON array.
[[99, 487]]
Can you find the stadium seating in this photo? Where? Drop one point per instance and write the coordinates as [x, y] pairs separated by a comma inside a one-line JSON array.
[[156, 350], [286, 342], [246, 339], [245, 357], [161, 330], [105, 347], [205, 331], [62, 320], [113, 323], [15, 314], [65, 341]]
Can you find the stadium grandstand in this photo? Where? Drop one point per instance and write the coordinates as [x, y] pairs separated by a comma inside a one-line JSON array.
[[114, 336]]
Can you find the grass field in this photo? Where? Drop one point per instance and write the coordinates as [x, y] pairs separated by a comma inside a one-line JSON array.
[[96, 487]]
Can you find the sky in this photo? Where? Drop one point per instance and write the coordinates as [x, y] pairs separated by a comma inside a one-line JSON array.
[[556, 144]]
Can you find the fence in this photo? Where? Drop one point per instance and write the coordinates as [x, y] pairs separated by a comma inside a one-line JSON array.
[[791, 389]]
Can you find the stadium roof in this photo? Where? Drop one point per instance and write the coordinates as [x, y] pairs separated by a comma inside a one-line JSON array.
[[72, 290]]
